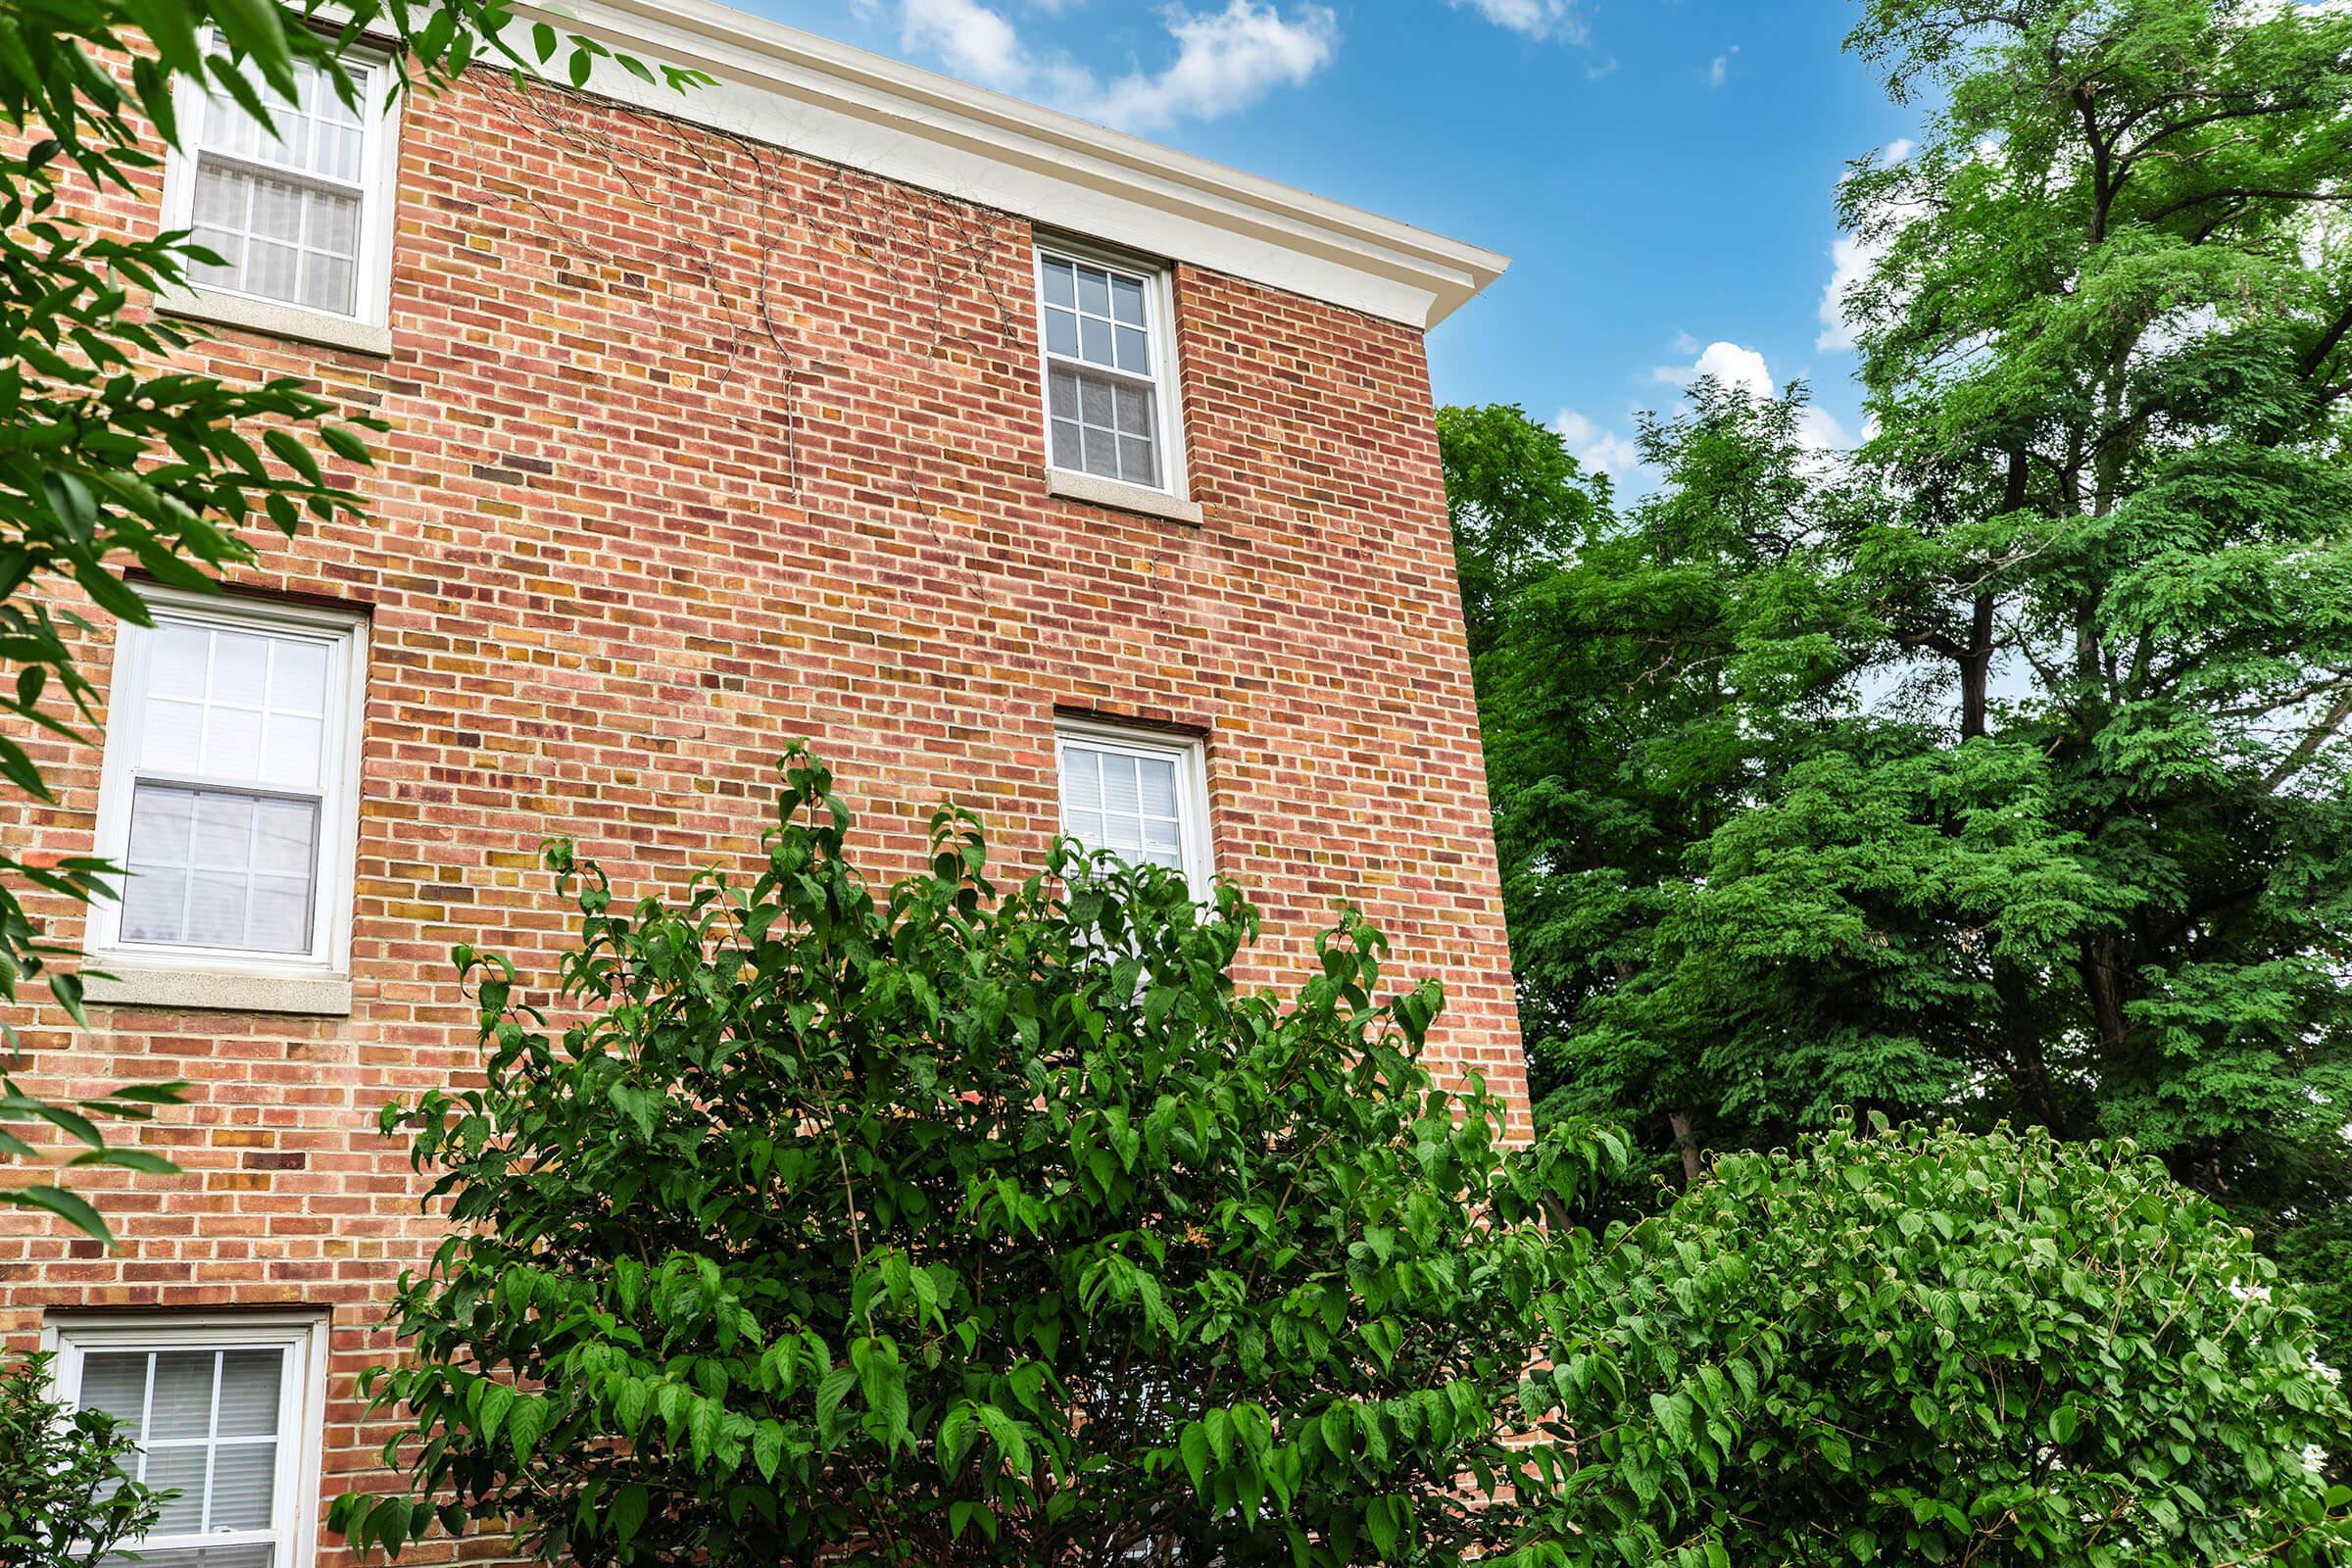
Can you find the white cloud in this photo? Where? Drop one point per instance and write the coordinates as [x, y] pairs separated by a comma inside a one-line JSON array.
[[969, 39], [1597, 447], [1719, 68], [1728, 362], [1850, 262], [1225, 60], [1537, 18], [1899, 149], [1744, 369]]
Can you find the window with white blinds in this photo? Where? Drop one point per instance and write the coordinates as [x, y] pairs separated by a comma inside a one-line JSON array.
[[229, 792], [1142, 796], [1110, 393], [298, 211], [225, 1422]]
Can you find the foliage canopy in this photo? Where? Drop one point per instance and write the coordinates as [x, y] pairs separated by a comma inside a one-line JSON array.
[[2000, 771]]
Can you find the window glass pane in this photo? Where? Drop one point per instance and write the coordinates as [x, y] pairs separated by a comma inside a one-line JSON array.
[[1062, 393], [249, 1384], [240, 668], [1093, 291], [1119, 792], [1094, 339], [1101, 453], [1082, 780], [232, 742], [180, 1470], [298, 677], [155, 905], [181, 1405], [177, 659], [216, 909], [1069, 447], [284, 837], [326, 284], [1061, 332], [1134, 410], [172, 738], [1127, 300], [1136, 465], [243, 1479], [1060, 288], [1156, 780], [292, 748], [279, 919], [1135, 353], [1094, 400], [116, 1382], [222, 838]]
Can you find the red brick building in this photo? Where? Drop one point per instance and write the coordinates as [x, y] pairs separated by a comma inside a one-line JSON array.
[[1009, 460]]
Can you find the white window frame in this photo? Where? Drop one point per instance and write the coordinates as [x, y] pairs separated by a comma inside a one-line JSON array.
[[329, 951], [380, 197], [301, 1411], [1194, 841], [1160, 308]]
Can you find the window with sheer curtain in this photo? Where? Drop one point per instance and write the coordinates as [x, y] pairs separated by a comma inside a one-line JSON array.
[[1110, 398], [220, 1413], [297, 212], [228, 790]]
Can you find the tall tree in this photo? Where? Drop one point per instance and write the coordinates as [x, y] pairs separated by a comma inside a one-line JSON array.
[[2002, 774]]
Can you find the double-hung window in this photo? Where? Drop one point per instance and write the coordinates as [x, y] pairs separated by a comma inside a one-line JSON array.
[[225, 1415], [1109, 363], [229, 791], [300, 213], [1142, 796]]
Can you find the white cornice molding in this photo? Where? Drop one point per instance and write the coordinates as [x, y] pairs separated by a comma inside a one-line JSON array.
[[795, 90]]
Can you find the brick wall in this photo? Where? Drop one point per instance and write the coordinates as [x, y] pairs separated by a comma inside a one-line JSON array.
[[695, 447]]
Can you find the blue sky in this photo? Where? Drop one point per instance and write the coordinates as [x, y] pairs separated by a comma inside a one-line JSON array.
[[1662, 171]]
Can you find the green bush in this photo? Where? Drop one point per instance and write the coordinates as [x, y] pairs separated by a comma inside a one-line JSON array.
[[1927, 1347], [958, 1227], [66, 1497], [967, 1229]]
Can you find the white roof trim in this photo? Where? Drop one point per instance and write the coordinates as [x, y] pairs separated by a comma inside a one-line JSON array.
[[792, 89]]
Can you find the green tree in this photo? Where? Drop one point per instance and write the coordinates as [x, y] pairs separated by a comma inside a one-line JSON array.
[[115, 457], [1931, 1347], [950, 1227], [1519, 502], [68, 1495], [2000, 774]]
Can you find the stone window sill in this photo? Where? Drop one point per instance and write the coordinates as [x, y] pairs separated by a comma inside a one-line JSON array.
[[1073, 486], [270, 317], [219, 990]]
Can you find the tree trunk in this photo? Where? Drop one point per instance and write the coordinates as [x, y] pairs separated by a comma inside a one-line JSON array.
[[1684, 1140]]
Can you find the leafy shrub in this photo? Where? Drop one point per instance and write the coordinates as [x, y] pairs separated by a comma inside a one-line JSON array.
[[965, 1229], [1927, 1347], [65, 1497]]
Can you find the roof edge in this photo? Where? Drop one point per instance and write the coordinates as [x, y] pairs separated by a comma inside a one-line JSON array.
[[808, 94]]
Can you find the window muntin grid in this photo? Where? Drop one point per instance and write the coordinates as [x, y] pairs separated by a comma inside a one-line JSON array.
[[1103, 369], [235, 734], [1127, 802], [285, 206], [209, 1423]]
